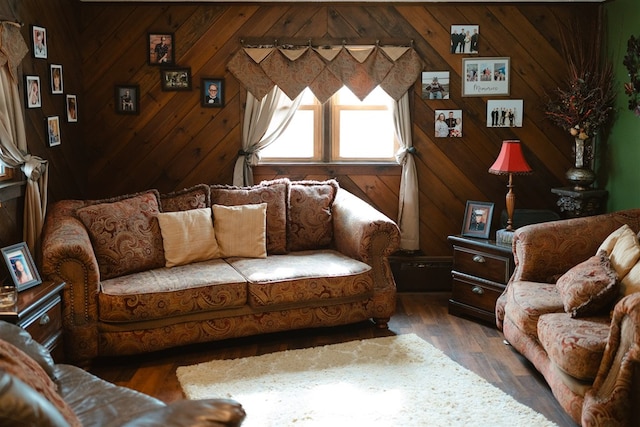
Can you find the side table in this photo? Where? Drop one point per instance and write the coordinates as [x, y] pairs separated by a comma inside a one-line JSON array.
[[39, 311], [577, 203], [481, 270]]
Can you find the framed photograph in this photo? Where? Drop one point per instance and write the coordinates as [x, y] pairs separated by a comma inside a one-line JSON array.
[[477, 219], [435, 85], [161, 49], [448, 124], [71, 103], [212, 92], [53, 131], [21, 266], [464, 39], [485, 76], [505, 113], [39, 42], [55, 72], [32, 91], [175, 79], [127, 99]]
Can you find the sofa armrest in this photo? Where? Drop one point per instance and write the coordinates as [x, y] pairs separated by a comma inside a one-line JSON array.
[[68, 256], [613, 399], [183, 413]]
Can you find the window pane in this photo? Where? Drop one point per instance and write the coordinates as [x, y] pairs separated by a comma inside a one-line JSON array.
[[296, 141], [366, 134]]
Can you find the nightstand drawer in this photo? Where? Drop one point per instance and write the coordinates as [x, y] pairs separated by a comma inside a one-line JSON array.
[[474, 294], [481, 264], [45, 325]]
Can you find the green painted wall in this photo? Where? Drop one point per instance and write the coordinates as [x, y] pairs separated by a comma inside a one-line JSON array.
[[622, 164]]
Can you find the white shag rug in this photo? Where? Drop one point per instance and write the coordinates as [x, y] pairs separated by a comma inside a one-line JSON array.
[[391, 382]]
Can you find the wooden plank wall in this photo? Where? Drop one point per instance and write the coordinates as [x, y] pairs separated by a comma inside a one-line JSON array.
[[174, 143]]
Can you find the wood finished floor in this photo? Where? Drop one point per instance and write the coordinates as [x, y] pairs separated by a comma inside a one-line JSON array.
[[478, 347]]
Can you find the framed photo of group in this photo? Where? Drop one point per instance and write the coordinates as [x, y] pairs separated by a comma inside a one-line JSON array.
[[21, 266], [485, 76], [477, 219]]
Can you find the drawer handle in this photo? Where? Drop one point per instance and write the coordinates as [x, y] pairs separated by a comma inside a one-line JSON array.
[[44, 320], [479, 258], [477, 290]]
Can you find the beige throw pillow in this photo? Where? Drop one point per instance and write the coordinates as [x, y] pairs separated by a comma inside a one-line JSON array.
[[241, 230], [188, 236], [623, 249]]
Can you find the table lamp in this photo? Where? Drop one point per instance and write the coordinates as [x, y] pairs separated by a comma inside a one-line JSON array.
[[510, 161]]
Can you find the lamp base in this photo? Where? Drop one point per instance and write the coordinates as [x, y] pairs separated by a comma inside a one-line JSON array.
[[504, 237]]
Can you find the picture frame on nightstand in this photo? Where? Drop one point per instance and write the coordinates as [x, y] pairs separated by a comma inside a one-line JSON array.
[[477, 219], [21, 266]]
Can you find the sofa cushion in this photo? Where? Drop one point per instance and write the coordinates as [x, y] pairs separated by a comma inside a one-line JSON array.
[[17, 363], [125, 234], [575, 345], [310, 225], [527, 301], [623, 249], [590, 287], [274, 194], [196, 197], [164, 292], [304, 277], [241, 230], [188, 236]]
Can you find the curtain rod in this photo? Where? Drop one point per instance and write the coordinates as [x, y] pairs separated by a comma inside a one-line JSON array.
[[275, 44]]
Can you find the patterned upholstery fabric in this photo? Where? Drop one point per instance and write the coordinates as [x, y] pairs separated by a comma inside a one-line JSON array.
[[198, 196], [125, 234], [274, 193], [528, 301], [310, 225]]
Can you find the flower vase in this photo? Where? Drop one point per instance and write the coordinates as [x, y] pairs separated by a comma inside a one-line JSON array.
[[582, 176]]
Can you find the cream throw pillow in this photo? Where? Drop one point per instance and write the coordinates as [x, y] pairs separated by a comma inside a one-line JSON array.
[[241, 230], [188, 236], [631, 282], [623, 249]]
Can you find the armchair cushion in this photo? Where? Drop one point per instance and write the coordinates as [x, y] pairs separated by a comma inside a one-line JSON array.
[[590, 287]]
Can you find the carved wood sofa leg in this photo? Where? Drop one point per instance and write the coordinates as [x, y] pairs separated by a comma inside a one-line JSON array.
[[382, 322]]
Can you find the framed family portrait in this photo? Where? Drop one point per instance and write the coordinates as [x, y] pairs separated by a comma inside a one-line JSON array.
[[32, 91], [161, 49], [464, 39], [53, 131], [505, 113], [212, 92], [485, 76], [71, 105], [477, 219], [55, 71], [448, 124], [127, 99], [39, 41], [175, 79], [21, 266]]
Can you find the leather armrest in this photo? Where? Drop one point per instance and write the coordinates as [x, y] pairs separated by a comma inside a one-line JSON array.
[[193, 413]]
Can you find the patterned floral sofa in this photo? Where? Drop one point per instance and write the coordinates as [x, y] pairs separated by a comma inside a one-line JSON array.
[[141, 276], [574, 312]]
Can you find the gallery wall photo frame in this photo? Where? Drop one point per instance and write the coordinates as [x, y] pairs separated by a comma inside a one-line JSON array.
[[212, 92], [486, 76], [465, 39], [161, 48], [477, 219], [435, 85], [505, 113], [21, 266], [127, 99], [54, 137], [55, 77], [32, 91], [38, 42], [71, 107], [175, 79]]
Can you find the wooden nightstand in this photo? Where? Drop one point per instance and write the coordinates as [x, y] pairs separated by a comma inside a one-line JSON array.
[[39, 311], [481, 270]]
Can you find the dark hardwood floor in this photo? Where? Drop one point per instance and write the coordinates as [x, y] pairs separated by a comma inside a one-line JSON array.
[[478, 347]]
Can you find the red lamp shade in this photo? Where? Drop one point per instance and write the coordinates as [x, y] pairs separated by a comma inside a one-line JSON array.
[[510, 159]]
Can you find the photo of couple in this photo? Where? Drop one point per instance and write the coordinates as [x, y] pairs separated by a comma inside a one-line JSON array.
[[448, 124]]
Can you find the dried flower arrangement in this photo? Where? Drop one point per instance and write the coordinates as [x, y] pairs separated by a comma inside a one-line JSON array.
[[632, 62], [587, 103]]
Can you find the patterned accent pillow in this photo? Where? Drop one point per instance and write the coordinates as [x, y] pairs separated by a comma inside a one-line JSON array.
[[310, 224], [590, 287], [274, 194], [195, 197], [125, 234]]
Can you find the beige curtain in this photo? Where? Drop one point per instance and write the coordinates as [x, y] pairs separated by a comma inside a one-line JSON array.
[[13, 141]]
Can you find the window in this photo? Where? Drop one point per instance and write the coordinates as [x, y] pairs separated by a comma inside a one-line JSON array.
[[5, 172], [344, 129]]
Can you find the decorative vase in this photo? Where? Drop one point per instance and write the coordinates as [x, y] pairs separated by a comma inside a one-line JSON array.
[[582, 176]]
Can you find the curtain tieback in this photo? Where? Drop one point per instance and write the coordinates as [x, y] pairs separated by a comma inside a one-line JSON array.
[[243, 153], [33, 167]]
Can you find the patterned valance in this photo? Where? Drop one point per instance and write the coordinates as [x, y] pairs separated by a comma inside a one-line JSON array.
[[12, 47], [325, 69]]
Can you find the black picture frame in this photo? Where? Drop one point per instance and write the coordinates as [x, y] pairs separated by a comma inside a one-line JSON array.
[[39, 45], [19, 262], [207, 84], [477, 219], [161, 48], [32, 91], [127, 99], [71, 107], [55, 79], [175, 79], [53, 133]]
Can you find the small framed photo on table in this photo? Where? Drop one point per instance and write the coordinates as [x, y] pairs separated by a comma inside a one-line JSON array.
[[21, 266], [212, 92], [477, 219]]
